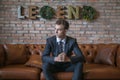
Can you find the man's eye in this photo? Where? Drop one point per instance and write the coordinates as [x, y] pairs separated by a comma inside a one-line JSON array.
[[59, 29]]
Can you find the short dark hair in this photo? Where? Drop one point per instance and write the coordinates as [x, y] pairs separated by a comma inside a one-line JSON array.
[[63, 22]]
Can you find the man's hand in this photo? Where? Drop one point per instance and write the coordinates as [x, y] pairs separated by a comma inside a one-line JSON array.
[[67, 59], [62, 58]]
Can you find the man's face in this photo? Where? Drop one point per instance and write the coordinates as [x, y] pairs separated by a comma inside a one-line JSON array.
[[60, 31]]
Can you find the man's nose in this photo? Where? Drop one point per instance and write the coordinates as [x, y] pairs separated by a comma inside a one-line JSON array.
[[56, 31]]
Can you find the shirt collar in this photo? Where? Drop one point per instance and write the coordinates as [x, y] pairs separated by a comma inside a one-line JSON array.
[[63, 40]]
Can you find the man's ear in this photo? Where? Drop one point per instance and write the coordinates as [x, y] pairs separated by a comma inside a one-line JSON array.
[[66, 30]]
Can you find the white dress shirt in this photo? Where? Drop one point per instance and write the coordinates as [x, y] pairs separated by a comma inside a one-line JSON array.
[[63, 40]]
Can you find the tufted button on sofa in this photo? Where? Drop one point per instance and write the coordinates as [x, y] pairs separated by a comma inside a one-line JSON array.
[[23, 61]]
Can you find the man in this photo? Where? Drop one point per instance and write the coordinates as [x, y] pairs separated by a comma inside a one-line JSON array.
[[55, 60]]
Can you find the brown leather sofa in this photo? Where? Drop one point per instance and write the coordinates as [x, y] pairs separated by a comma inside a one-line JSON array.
[[102, 62]]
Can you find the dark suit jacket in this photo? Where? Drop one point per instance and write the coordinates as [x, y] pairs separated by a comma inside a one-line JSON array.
[[70, 46]]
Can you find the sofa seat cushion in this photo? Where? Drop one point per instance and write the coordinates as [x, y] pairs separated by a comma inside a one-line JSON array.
[[19, 72], [91, 71], [100, 71], [59, 76], [91, 66]]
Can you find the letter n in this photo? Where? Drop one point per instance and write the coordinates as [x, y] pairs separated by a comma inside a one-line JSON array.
[[73, 12]]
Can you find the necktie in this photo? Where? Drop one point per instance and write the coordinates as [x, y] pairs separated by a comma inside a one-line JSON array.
[[60, 47]]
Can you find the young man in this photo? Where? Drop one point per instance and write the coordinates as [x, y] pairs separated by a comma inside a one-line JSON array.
[[57, 56]]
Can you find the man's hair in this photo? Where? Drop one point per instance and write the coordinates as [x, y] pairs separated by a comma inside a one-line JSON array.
[[63, 22]]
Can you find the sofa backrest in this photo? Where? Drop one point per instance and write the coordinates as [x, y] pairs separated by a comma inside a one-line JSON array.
[[118, 57], [36, 47], [90, 52], [101, 53], [2, 56], [93, 53]]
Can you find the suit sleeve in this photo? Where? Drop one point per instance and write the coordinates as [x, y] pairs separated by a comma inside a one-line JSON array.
[[46, 54], [78, 54]]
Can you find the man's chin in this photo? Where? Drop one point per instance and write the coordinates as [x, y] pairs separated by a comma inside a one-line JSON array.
[[58, 36]]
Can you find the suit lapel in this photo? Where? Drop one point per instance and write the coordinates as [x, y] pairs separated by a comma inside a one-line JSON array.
[[67, 45], [55, 46], [54, 41]]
